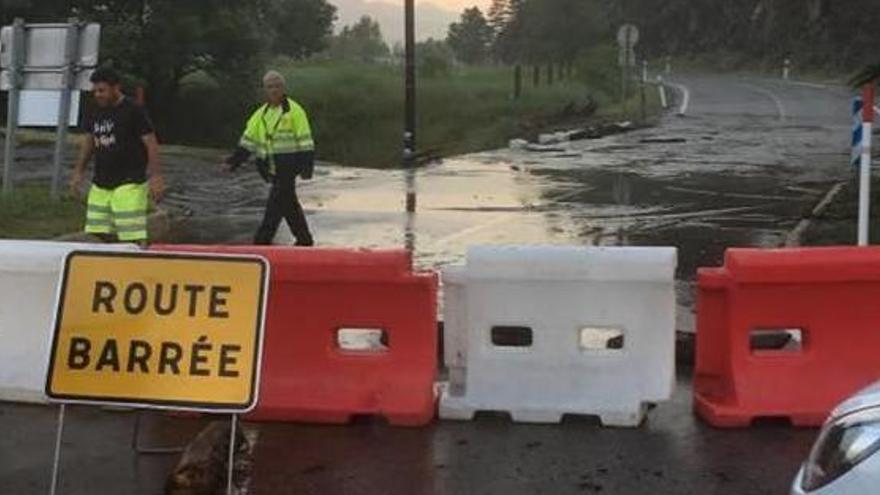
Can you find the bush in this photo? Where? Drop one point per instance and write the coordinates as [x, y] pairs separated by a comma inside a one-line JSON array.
[[206, 113], [434, 59], [598, 68]]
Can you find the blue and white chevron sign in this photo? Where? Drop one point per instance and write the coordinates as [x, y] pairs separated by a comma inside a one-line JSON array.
[[857, 133]]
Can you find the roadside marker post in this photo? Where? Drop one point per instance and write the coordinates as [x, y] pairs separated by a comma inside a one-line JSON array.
[[856, 155], [868, 97], [661, 87], [165, 331], [627, 38]]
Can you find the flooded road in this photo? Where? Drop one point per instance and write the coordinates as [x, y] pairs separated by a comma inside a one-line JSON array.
[[746, 163], [743, 167], [740, 169]]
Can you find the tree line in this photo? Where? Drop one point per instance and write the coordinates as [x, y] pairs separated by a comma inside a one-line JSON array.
[[528, 31], [199, 60], [823, 34]]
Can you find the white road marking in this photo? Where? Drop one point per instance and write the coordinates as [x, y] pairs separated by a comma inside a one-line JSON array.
[[810, 85], [685, 99], [780, 109]]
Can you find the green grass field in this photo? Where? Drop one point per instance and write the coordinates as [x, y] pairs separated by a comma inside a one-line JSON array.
[[29, 213], [357, 111]]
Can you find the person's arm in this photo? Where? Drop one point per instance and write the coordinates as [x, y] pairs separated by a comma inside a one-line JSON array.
[[305, 158], [239, 156], [154, 166], [143, 126], [86, 152], [247, 145]]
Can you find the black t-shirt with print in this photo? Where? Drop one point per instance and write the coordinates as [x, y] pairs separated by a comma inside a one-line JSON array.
[[120, 153]]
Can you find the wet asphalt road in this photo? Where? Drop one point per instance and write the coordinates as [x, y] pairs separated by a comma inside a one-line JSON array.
[[740, 169], [748, 161], [670, 454]]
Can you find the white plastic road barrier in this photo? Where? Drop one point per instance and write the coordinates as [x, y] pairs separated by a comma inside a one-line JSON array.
[[29, 275], [541, 332]]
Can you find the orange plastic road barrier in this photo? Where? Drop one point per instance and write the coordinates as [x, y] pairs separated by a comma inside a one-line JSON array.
[[786, 333], [348, 333]]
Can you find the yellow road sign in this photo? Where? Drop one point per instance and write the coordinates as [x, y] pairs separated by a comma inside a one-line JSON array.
[[161, 331]]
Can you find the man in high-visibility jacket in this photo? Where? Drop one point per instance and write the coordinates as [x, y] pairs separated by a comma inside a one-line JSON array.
[[278, 133]]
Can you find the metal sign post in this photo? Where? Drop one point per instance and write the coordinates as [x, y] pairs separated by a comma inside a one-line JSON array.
[[59, 436], [69, 73], [15, 82], [56, 457], [200, 352], [230, 468], [46, 57]]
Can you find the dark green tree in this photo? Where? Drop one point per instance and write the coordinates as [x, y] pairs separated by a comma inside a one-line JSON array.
[[498, 15], [302, 27], [361, 42], [33, 10], [555, 31], [162, 43], [471, 37], [434, 58]]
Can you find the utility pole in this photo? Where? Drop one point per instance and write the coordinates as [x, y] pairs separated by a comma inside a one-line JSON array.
[[517, 82], [409, 133]]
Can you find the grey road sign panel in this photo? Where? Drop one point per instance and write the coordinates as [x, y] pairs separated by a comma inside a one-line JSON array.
[[47, 81], [45, 46]]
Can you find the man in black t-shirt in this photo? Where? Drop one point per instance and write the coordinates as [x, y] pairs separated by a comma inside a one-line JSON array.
[[122, 141]]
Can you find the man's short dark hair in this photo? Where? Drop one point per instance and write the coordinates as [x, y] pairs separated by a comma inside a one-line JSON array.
[[106, 75]]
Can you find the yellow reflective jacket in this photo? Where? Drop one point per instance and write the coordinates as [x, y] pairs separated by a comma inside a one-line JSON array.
[[280, 136]]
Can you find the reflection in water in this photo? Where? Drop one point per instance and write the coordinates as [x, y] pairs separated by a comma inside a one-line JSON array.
[[622, 194], [409, 231], [701, 196]]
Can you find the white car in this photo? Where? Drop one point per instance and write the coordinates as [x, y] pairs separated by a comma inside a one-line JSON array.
[[845, 459]]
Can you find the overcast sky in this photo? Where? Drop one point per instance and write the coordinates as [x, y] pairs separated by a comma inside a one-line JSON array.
[[433, 16], [459, 5]]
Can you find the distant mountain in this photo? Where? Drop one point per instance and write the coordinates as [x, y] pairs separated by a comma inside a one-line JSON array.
[[432, 20]]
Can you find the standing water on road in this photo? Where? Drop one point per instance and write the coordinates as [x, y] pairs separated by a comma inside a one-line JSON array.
[[747, 162]]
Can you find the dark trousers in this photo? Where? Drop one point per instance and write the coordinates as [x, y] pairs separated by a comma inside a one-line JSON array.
[[284, 204]]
